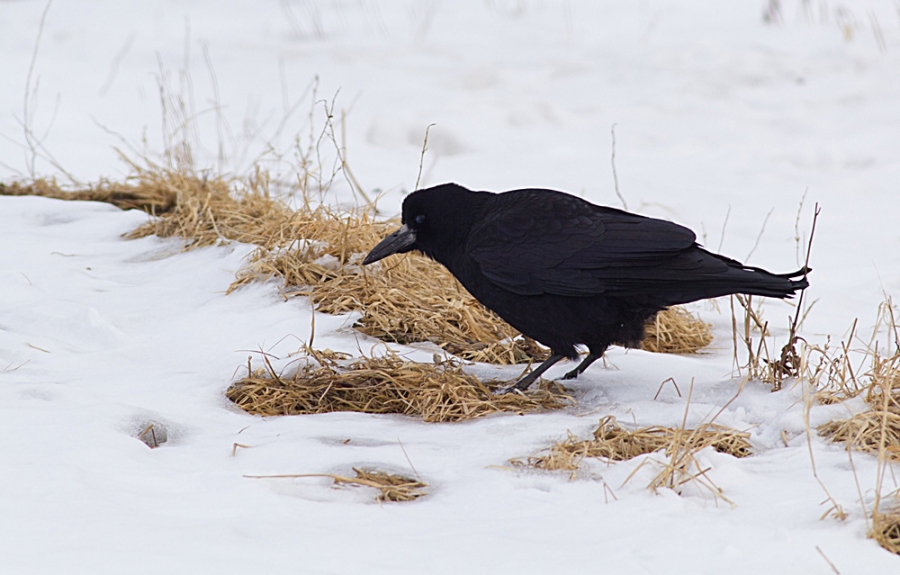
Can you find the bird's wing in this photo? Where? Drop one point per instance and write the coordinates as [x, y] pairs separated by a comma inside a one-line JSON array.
[[534, 241]]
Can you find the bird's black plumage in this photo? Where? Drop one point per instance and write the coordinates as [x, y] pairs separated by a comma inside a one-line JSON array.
[[564, 271]]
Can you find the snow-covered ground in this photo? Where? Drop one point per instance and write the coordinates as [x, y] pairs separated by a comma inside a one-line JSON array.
[[722, 122]]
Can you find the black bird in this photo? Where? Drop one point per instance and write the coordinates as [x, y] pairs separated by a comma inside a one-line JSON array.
[[564, 271]]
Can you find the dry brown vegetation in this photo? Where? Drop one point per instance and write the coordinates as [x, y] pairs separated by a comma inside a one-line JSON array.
[[130, 194], [613, 442], [437, 392], [842, 374], [885, 529], [676, 330], [391, 486]]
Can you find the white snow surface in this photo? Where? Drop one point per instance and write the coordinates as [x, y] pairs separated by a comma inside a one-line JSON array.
[[715, 111]]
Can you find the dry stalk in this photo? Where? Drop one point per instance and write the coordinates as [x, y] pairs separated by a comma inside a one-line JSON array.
[[789, 363], [876, 429]]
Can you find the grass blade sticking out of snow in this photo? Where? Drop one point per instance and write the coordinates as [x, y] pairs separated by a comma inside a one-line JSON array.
[[438, 392], [391, 486]]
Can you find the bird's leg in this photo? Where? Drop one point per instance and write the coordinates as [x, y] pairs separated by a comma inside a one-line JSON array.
[[523, 383], [591, 358]]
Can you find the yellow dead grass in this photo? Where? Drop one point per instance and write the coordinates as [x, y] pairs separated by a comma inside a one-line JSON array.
[[612, 442], [885, 529], [676, 330], [391, 486], [876, 429], [133, 193], [438, 392]]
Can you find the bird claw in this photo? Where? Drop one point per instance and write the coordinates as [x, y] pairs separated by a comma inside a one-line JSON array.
[[506, 390]]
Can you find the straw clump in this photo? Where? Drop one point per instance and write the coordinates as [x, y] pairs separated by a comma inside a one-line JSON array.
[[392, 487], [439, 392], [885, 529], [676, 330], [875, 430], [612, 442], [131, 194]]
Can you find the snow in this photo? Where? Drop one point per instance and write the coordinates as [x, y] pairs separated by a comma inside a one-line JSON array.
[[715, 111]]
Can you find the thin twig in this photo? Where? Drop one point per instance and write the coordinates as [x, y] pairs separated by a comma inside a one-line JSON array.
[[613, 161], [422, 155]]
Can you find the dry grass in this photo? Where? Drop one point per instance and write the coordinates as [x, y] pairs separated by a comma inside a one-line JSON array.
[[885, 529], [210, 211], [612, 442], [676, 330], [842, 374], [391, 486], [131, 194], [438, 392], [875, 430], [680, 445]]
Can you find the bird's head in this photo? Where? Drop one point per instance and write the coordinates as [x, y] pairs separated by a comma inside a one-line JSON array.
[[434, 220]]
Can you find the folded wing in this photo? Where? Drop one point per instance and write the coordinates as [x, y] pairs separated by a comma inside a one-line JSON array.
[[535, 242]]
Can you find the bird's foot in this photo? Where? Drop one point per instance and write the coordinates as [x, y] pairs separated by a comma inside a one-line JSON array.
[[572, 374], [588, 360], [519, 386], [526, 381]]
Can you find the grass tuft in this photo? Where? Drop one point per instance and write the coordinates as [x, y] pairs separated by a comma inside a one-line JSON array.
[[438, 392], [676, 330], [613, 442]]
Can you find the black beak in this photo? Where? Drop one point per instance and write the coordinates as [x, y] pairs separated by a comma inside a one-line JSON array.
[[395, 243]]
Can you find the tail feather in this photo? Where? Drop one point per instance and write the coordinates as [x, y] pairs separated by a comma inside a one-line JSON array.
[[757, 281], [737, 280]]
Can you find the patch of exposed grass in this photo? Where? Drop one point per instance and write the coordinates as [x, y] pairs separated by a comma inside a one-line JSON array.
[[392, 487], [613, 442], [437, 392]]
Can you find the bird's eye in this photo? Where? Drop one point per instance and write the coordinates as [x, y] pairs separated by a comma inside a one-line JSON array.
[[420, 219]]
